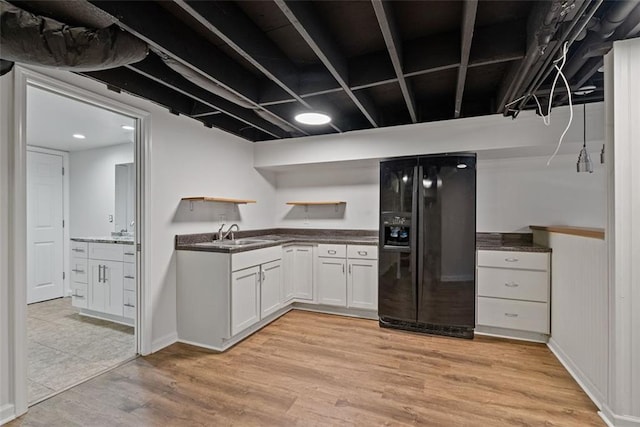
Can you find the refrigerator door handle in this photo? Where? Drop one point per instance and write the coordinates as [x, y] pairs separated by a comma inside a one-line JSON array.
[[415, 274], [420, 235]]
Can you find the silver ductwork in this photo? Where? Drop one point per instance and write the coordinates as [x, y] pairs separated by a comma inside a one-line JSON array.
[[31, 39]]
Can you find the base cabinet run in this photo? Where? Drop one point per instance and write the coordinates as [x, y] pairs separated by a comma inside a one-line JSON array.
[[514, 294], [224, 297]]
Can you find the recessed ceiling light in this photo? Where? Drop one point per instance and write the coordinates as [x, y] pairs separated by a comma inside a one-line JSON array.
[[601, 69], [313, 118], [585, 90], [79, 136], [127, 127], [461, 166]]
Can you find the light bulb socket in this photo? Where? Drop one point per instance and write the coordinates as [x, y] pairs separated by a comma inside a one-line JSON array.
[[584, 161]]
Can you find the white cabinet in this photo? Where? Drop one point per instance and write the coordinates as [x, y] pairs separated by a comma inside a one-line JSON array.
[[79, 274], [106, 287], [270, 288], [513, 293], [332, 283], [348, 276], [245, 299], [298, 272]]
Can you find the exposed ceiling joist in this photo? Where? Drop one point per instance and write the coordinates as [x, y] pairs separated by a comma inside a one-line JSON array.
[[469, 9], [151, 23], [386, 20], [305, 21]]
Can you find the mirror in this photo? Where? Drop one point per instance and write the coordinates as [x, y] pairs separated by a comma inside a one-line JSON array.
[[125, 209]]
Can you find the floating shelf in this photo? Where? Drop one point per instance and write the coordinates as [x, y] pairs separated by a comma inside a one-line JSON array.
[[218, 199], [332, 202]]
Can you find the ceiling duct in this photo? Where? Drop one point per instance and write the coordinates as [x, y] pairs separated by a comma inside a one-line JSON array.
[[31, 39]]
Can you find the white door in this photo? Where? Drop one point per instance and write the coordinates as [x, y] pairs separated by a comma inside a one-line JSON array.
[[332, 281], [44, 227], [245, 299], [270, 285], [303, 272], [362, 284]]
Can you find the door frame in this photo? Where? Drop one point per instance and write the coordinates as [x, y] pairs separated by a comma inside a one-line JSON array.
[[18, 228], [66, 266]]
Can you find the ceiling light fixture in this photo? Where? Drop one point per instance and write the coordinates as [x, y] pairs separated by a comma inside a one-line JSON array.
[[585, 90], [313, 118], [79, 136], [461, 166], [127, 127], [584, 160]]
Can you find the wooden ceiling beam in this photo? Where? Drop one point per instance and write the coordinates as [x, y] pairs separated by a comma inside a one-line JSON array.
[[469, 9], [387, 23], [305, 21]]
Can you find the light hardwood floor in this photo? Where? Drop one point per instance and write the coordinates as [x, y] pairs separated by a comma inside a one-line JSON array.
[[316, 369]]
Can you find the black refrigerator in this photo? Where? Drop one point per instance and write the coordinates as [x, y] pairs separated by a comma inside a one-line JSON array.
[[427, 244]]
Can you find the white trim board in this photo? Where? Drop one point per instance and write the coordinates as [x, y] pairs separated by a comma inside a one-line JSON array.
[[7, 413]]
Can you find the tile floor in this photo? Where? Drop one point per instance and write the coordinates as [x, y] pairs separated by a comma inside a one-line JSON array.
[[65, 347]]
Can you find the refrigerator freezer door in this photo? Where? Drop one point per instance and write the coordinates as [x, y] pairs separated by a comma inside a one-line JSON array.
[[446, 241]]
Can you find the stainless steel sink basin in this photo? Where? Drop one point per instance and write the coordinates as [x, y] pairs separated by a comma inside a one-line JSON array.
[[233, 243]]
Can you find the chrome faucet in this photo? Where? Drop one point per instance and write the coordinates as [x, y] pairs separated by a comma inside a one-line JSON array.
[[229, 231]]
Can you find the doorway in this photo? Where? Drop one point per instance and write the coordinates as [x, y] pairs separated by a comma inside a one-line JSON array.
[[81, 264]]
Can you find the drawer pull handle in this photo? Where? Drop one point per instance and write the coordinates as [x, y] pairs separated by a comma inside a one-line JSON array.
[[511, 259], [78, 250], [129, 253], [511, 285], [511, 314], [331, 252], [75, 270], [129, 305], [77, 296], [129, 277], [362, 253]]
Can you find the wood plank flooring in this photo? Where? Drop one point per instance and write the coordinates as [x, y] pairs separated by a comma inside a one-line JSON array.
[[316, 369]]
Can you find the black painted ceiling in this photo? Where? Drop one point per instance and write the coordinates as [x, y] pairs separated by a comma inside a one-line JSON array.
[[367, 63]]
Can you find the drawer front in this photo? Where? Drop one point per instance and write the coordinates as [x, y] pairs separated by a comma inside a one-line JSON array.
[[79, 270], [514, 284], [362, 252], [79, 295], [79, 249], [242, 260], [332, 251], [129, 253], [512, 259], [129, 304], [520, 315], [129, 275], [106, 251]]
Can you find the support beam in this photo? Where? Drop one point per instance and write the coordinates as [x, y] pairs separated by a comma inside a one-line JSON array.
[[153, 68], [386, 20], [469, 9], [304, 20], [166, 33]]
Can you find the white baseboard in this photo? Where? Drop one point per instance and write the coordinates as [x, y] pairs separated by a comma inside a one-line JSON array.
[[511, 334], [165, 341], [341, 311], [613, 420], [7, 413], [583, 381]]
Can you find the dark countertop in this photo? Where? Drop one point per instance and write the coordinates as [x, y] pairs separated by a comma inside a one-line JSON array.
[[514, 242], [276, 237], [120, 241]]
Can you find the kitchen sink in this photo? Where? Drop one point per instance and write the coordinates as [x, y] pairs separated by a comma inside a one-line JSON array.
[[233, 243]]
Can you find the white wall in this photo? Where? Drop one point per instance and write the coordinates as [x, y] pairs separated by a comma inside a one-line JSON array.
[[92, 188], [511, 195], [6, 119]]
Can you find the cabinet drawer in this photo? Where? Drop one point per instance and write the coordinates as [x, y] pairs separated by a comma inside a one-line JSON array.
[[106, 251], [520, 315], [332, 251], [129, 253], [129, 304], [79, 272], [511, 259], [362, 252], [242, 260], [79, 249], [79, 294], [514, 284], [129, 272]]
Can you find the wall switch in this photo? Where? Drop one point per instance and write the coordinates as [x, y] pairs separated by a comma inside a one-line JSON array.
[[306, 220], [110, 218]]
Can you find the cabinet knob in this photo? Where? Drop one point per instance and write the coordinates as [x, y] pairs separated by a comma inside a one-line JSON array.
[[511, 259], [511, 314], [331, 252], [512, 285], [362, 253]]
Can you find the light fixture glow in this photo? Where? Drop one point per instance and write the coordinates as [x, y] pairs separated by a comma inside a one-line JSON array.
[[127, 127], [585, 90], [461, 166], [405, 178], [313, 118], [79, 136]]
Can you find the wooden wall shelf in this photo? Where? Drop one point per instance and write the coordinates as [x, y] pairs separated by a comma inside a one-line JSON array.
[[332, 202], [595, 233], [217, 199]]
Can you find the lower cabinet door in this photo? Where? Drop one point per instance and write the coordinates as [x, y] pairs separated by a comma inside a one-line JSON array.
[[113, 278], [245, 298], [97, 288], [270, 288], [79, 294], [362, 284], [332, 281], [288, 263], [303, 272]]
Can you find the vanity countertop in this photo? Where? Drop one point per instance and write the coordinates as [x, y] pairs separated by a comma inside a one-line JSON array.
[[103, 239]]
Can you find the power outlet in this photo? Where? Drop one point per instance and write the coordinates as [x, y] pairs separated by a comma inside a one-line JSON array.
[[110, 218], [222, 218], [306, 220]]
